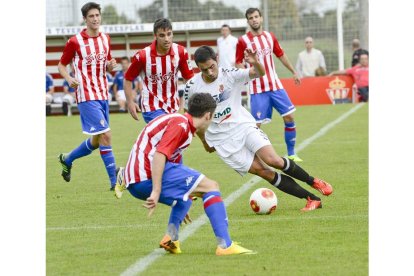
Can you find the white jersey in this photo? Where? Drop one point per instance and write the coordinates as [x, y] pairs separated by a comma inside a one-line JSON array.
[[230, 118], [226, 48]]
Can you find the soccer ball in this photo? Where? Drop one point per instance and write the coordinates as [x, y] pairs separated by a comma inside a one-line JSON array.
[[263, 201]]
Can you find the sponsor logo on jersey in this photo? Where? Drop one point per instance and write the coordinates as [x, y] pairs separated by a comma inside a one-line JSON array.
[[219, 114], [97, 58], [160, 77]]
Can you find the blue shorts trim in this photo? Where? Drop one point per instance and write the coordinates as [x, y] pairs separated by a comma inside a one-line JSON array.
[[178, 182], [262, 105], [149, 116], [94, 116]]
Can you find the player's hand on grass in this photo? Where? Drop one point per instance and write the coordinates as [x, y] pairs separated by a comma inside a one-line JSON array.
[[133, 109]]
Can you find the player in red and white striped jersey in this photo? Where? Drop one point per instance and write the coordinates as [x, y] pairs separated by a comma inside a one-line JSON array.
[[158, 65], [267, 92], [90, 54], [154, 173]]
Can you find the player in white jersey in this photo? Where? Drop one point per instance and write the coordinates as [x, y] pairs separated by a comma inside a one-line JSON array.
[[267, 92], [233, 134]]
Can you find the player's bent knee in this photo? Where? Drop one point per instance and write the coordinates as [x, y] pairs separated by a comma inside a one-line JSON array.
[[207, 185], [105, 138]]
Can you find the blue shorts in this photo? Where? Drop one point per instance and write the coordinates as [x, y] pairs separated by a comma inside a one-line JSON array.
[[94, 117], [261, 105], [149, 116], [178, 182]]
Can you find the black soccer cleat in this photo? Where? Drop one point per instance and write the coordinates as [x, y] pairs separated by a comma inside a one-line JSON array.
[[65, 168]]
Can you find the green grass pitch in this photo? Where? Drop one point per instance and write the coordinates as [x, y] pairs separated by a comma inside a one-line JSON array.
[[90, 232]]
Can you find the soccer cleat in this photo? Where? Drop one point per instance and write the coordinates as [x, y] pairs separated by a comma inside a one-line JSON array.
[[120, 183], [171, 246], [233, 249], [65, 168], [295, 158], [311, 205], [323, 187]]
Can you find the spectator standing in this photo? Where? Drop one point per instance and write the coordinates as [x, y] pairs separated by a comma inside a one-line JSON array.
[[360, 73], [357, 51], [310, 60], [118, 86], [226, 48]]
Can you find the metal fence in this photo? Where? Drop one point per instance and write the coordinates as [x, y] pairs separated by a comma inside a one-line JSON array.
[[291, 20]]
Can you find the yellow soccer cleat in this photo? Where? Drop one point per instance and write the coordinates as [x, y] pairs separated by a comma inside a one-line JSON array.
[[233, 249], [295, 158], [171, 246], [120, 183]]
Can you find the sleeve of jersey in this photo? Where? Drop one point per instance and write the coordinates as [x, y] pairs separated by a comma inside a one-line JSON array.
[[241, 75], [135, 67], [173, 137], [187, 93], [185, 64], [241, 46], [68, 52], [277, 49]]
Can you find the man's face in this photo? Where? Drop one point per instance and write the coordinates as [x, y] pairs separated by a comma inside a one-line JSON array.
[[124, 64], [254, 20], [308, 43], [93, 19], [209, 69], [364, 60], [164, 39], [225, 31]]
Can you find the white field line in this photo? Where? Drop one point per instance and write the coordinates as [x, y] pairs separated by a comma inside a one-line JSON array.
[[143, 263]]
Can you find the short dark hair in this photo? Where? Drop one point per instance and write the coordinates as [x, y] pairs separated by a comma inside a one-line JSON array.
[[252, 10], [90, 6], [125, 58], [226, 26], [162, 23], [204, 53], [201, 103]]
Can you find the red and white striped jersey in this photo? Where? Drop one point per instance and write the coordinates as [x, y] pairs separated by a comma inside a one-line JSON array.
[[265, 44], [159, 75], [89, 56], [169, 134]]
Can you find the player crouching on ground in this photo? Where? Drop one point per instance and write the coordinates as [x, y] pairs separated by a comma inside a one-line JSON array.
[[154, 174]]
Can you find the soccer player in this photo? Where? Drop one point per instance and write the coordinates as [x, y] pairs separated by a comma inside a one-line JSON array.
[[233, 134], [154, 174], [267, 92], [90, 53], [158, 65]]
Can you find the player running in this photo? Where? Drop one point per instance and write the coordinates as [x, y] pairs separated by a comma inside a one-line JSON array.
[[267, 91], [90, 53], [154, 173], [233, 134]]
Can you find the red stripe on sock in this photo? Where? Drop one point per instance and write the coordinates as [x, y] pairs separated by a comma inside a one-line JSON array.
[[103, 152], [211, 201], [290, 128]]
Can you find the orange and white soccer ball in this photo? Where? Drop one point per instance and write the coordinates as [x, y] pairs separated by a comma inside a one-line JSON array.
[[263, 201]]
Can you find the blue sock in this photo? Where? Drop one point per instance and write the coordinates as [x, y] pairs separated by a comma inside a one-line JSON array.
[[109, 161], [216, 212], [85, 148], [290, 137], [177, 215]]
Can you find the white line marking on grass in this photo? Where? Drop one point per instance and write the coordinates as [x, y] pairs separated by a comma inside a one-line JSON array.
[[143, 263]]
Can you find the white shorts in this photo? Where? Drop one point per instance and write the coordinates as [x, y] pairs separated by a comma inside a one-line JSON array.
[[239, 154], [49, 99]]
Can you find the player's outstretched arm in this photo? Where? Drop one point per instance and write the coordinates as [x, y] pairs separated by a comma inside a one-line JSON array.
[[133, 107], [258, 69]]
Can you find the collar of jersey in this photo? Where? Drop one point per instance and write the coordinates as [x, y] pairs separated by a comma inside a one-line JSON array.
[[190, 122]]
